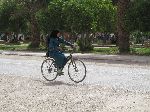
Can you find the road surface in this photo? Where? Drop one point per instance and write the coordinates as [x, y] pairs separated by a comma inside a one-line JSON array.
[[132, 77]]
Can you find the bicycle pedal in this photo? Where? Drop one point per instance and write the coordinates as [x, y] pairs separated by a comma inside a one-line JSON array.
[[60, 74]]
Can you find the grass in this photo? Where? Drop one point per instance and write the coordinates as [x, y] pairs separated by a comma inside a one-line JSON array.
[[109, 50], [19, 47], [101, 50], [114, 50], [140, 51], [13, 47]]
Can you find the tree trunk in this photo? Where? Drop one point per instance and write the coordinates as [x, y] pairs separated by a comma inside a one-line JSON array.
[[123, 35], [35, 40]]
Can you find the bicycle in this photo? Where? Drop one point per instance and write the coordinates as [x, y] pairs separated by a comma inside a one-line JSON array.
[[76, 69]]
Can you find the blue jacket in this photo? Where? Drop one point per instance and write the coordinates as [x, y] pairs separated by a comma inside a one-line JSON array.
[[54, 43], [54, 52]]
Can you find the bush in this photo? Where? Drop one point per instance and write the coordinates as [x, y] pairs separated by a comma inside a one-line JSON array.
[[85, 44]]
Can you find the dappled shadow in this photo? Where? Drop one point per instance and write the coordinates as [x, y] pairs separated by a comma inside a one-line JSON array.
[[108, 61]]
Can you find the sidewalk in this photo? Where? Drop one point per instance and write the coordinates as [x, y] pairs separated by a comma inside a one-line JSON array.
[[90, 56]]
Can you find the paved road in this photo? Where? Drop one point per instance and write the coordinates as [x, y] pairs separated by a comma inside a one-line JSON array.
[[130, 77]]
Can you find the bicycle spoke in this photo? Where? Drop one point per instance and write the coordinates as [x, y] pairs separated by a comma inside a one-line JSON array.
[[48, 70], [77, 71]]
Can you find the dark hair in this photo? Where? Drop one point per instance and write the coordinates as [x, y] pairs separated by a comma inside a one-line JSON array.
[[54, 33]]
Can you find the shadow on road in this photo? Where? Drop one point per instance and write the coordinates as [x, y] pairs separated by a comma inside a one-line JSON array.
[[57, 83], [127, 62]]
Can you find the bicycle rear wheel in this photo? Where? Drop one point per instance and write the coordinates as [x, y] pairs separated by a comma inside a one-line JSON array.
[[48, 70], [77, 71]]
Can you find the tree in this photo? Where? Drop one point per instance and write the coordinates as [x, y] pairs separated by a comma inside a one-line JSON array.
[[79, 17], [9, 23], [52, 18], [138, 16], [29, 8], [122, 32]]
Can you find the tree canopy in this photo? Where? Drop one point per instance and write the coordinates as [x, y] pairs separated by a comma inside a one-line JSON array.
[[73, 16], [138, 16], [78, 16]]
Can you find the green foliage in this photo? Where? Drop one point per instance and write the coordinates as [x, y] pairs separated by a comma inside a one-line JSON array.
[[5, 14], [10, 22], [78, 16], [138, 16], [52, 18], [136, 37], [74, 16], [13, 46], [115, 50], [140, 51], [84, 44], [111, 50]]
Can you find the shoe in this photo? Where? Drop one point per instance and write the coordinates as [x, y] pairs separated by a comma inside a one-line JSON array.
[[60, 72]]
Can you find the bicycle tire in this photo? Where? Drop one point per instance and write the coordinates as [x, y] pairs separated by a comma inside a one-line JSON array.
[[50, 72], [74, 67]]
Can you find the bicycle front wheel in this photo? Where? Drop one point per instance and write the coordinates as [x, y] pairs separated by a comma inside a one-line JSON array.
[[48, 70], [77, 71]]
